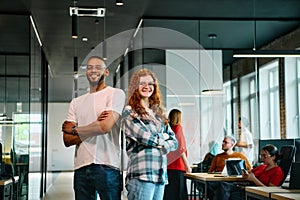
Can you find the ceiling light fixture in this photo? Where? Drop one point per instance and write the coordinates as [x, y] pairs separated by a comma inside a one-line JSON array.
[[104, 50], [138, 27], [84, 39], [119, 2], [87, 12], [104, 45], [212, 91], [35, 30], [75, 64], [74, 26], [74, 14], [266, 54]]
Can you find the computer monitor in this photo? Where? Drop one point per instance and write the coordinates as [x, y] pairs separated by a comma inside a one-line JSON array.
[[234, 167]]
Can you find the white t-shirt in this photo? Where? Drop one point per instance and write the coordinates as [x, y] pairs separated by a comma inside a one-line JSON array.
[[246, 137], [101, 149]]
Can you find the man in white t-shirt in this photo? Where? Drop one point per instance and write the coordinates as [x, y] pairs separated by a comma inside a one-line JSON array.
[[245, 140], [92, 125]]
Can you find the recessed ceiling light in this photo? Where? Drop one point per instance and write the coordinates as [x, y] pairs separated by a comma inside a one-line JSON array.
[[119, 2]]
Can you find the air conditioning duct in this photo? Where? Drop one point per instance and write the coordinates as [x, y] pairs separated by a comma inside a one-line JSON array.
[[87, 12]]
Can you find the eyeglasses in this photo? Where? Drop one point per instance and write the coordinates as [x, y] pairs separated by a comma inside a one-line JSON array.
[[96, 67], [225, 142], [264, 155], [143, 84]]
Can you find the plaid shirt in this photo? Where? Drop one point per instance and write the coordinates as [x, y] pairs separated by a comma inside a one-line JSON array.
[[147, 148]]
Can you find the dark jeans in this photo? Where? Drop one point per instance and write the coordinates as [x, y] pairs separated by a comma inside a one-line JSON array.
[[97, 178], [176, 189], [224, 191]]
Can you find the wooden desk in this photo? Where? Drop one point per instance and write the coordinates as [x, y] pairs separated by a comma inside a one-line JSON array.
[[266, 192], [285, 196], [8, 187], [5, 181], [204, 178]]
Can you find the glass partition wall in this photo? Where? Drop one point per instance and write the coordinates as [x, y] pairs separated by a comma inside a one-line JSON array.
[[21, 106], [254, 88], [15, 100]]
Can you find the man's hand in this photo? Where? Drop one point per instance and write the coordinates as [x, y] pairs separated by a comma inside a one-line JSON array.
[[103, 115], [67, 127], [70, 139]]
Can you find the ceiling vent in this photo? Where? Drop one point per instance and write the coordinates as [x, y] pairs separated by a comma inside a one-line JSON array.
[[87, 12]]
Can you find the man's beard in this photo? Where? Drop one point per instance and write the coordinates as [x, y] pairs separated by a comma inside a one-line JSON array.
[[97, 82], [225, 149]]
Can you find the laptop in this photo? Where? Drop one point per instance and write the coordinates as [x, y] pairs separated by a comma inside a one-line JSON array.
[[294, 177], [233, 167]]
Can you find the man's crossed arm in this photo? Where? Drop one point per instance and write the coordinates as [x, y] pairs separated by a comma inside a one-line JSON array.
[[73, 135]]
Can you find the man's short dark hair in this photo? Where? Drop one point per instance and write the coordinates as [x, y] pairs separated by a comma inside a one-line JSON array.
[[97, 57]]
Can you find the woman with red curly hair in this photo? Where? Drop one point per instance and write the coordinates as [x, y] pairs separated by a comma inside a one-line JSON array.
[[147, 139]]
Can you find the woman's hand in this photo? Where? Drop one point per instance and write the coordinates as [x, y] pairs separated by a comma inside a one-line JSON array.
[[188, 169], [249, 176]]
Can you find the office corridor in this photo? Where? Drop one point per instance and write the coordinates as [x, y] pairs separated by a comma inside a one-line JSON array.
[[62, 187]]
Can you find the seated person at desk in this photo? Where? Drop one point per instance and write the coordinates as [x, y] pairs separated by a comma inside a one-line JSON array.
[[218, 162], [267, 174]]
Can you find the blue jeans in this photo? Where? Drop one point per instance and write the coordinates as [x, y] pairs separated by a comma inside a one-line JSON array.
[[142, 190], [97, 178]]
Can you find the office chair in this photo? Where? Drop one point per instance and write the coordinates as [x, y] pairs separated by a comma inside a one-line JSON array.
[[201, 167], [287, 154]]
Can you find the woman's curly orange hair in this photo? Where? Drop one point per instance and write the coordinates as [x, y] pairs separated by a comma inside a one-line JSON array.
[[134, 98]]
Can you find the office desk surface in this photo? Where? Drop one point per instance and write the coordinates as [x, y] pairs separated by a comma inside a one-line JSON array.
[[267, 191], [205, 178], [286, 196], [213, 177], [5, 181], [8, 180]]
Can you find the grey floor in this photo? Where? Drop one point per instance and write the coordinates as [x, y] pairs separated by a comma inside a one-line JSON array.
[[61, 188]]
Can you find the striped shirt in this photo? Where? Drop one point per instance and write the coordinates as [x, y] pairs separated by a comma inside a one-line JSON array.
[[147, 146]]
